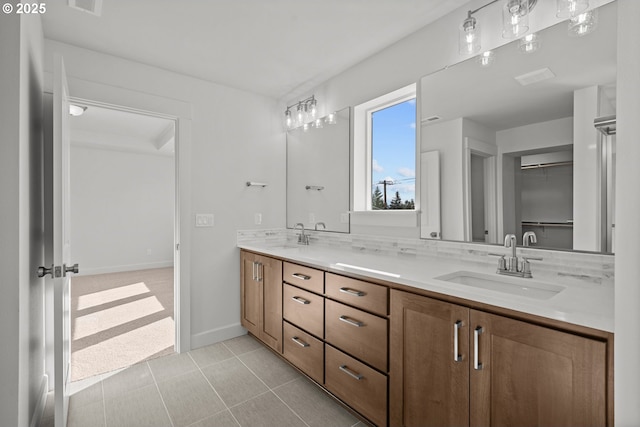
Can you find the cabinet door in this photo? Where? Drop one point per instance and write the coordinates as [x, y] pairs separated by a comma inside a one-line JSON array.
[[270, 277], [429, 378], [250, 291], [529, 375]]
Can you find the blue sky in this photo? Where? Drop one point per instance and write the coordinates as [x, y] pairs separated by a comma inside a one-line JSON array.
[[394, 150]]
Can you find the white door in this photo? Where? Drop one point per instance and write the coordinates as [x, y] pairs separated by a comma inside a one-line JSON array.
[[59, 278]]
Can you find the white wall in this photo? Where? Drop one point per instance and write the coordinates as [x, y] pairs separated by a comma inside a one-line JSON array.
[[627, 270], [122, 210], [21, 246], [236, 137]]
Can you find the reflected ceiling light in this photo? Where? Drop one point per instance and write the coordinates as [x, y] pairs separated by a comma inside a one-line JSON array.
[[571, 8], [486, 58], [515, 17], [76, 110], [584, 23], [529, 43], [331, 119]]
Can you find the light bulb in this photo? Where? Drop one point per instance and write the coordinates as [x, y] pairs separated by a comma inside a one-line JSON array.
[[300, 115], [469, 40], [529, 43], [584, 23], [486, 58], [288, 119], [571, 8], [318, 123], [515, 18], [331, 119], [313, 109], [305, 127]]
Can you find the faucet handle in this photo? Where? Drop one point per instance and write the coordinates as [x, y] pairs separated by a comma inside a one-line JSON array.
[[526, 267], [502, 262]]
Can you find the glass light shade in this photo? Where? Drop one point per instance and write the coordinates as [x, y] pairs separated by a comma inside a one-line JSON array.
[[288, 119], [318, 123], [529, 43], [584, 23], [486, 58], [300, 116], [571, 8], [469, 37], [305, 127], [331, 119], [515, 18], [313, 109]]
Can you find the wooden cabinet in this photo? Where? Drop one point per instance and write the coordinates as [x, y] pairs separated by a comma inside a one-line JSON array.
[[261, 297], [451, 365], [304, 309], [305, 351], [365, 295]]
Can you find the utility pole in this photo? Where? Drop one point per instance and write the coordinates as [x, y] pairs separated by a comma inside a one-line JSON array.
[[384, 183]]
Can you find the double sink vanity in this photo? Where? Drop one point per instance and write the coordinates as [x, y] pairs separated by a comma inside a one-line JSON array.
[[434, 339]]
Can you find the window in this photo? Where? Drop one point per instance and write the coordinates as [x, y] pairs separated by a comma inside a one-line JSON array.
[[385, 152]]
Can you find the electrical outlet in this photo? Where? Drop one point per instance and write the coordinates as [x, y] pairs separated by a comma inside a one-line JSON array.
[[204, 220], [257, 218]]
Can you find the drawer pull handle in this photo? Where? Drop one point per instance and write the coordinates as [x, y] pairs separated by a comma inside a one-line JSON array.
[[349, 372], [301, 300], [299, 342], [457, 357], [301, 276], [476, 343], [351, 321], [353, 292]]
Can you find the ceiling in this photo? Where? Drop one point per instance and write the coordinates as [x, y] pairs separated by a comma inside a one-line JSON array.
[[270, 47]]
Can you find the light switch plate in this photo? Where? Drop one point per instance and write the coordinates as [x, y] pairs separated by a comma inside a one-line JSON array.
[[257, 218], [204, 220]]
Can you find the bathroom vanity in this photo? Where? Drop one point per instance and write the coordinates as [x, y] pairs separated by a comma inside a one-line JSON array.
[[433, 341]]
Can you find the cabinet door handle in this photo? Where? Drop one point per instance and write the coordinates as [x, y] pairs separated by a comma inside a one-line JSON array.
[[351, 321], [255, 275], [353, 292], [301, 276], [476, 341], [349, 372], [259, 269], [457, 357], [299, 342], [301, 300]]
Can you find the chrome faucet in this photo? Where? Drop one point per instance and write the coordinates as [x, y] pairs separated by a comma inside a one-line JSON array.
[[529, 238], [512, 266], [303, 239], [324, 227]]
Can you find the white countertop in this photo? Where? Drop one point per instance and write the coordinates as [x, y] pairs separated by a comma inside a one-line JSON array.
[[584, 304]]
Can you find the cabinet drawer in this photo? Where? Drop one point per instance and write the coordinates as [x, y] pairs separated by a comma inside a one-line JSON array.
[[304, 351], [303, 309], [304, 277], [359, 386], [361, 294], [360, 334]]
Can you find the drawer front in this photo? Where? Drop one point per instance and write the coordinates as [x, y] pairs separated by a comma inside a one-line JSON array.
[[360, 334], [304, 351], [303, 309], [304, 277], [361, 387], [361, 294]]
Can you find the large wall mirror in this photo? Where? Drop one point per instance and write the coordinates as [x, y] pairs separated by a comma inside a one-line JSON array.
[[519, 152], [318, 176]]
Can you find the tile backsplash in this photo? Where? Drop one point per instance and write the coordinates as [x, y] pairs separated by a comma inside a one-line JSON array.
[[563, 266]]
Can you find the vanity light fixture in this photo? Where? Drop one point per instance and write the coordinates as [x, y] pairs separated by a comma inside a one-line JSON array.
[[486, 58], [331, 119], [305, 112], [583, 24], [515, 23], [529, 43], [571, 8]]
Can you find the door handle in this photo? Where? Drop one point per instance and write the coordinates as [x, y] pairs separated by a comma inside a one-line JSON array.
[[457, 357], [73, 269], [353, 292], [54, 271], [476, 343], [301, 300], [351, 321]]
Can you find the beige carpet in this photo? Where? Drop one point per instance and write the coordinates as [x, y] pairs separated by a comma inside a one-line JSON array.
[[120, 319]]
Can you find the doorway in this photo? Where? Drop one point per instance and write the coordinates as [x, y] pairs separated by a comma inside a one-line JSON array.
[[122, 235]]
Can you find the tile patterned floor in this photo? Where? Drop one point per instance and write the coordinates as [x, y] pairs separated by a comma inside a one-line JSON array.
[[237, 382]]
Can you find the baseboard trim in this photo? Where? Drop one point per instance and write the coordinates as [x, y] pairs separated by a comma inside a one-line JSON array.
[[38, 412], [216, 335], [121, 268]]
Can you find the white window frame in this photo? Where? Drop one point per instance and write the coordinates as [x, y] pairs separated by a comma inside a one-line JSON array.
[[362, 158]]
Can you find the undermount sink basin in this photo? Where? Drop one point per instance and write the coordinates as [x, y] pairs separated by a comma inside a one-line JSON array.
[[510, 285]]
